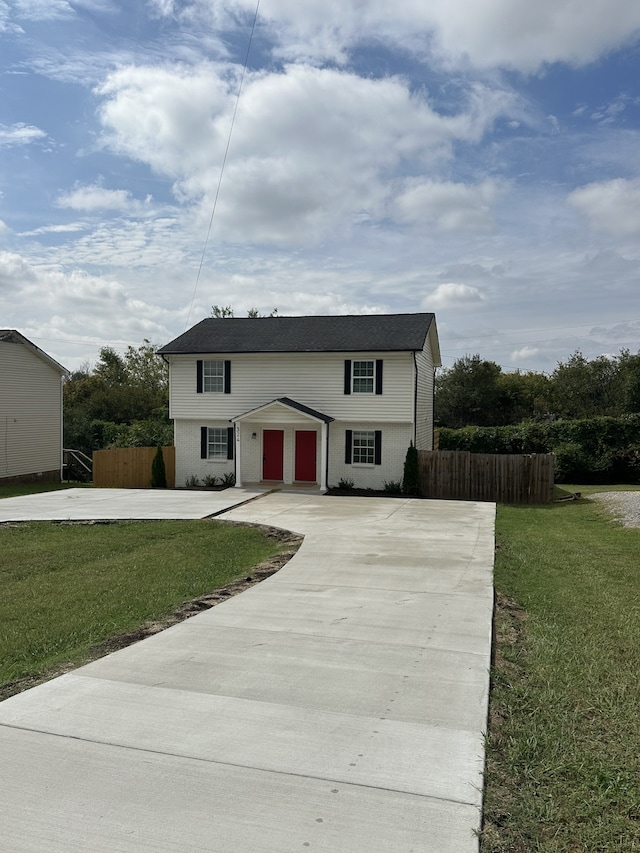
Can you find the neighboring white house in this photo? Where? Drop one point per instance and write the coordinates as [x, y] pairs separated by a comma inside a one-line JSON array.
[[30, 411], [302, 399]]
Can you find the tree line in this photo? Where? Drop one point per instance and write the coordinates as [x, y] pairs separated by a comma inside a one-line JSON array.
[[476, 392], [123, 401]]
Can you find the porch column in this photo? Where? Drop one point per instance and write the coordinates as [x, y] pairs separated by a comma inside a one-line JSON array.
[[323, 457], [237, 457]]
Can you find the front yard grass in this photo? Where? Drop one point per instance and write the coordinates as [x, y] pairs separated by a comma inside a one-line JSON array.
[[67, 587], [563, 747]]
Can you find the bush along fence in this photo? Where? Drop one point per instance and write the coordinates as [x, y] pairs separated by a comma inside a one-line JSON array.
[[130, 467], [595, 450], [460, 475]]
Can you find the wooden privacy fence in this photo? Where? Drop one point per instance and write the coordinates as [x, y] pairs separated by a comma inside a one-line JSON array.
[[460, 475], [130, 467]]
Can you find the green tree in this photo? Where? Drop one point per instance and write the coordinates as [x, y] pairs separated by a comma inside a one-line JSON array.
[[584, 389], [221, 312], [467, 394], [122, 390]]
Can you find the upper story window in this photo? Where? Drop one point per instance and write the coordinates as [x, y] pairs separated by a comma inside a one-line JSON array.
[[213, 376], [363, 376]]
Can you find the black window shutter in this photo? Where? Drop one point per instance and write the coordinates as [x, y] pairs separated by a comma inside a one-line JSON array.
[[377, 447], [227, 377], [348, 442], [204, 443], [378, 376], [230, 440], [199, 376], [347, 376]]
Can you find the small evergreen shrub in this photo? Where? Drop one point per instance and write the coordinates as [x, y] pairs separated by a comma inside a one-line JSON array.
[[210, 481], [393, 487], [228, 479], [192, 482], [411, 478], [345, 484], [158, 471]]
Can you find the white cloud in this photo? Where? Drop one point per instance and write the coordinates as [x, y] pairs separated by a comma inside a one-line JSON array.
[[515, 34], [94, 197], [453, 294], [448, 206], [611, 206], [19, 134], [524, 354], [313, 150], [42, 10]]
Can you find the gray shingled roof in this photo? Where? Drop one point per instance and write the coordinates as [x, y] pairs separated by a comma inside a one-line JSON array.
[[357, 333]]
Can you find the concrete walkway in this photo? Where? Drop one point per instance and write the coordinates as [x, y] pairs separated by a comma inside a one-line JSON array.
[[339, 706]]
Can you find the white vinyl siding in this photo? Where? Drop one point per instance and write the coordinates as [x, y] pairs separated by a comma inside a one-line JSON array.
[[30, 413], [313, 379], [424, 399]]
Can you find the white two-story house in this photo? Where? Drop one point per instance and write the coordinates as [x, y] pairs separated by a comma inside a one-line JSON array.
[[310, 400], [30, 411]]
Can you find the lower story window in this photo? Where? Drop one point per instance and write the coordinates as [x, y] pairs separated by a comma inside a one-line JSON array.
[[363, 447], [217, 443]]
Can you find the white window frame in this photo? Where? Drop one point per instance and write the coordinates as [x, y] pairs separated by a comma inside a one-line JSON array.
[[363, 444], [213, 376], [217, 444], [363, 376]]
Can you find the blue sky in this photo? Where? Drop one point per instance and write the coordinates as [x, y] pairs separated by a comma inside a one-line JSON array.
[[475, 158]]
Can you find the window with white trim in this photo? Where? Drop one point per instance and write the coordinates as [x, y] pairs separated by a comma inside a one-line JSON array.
[[363, 374], [213, 376], [363, 445], [217, 443]]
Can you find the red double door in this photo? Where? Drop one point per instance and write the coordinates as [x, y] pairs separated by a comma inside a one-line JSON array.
[[273, 455]]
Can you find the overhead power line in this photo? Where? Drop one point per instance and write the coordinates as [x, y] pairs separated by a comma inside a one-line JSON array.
[[224, 163]]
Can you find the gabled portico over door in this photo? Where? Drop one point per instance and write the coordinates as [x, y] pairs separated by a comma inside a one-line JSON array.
[[283, 441]]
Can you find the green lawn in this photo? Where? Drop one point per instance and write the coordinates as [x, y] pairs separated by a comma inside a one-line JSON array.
[[563, 749], [67, 587]]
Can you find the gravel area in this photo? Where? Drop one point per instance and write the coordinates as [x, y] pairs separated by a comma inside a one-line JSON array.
[[624, 506]]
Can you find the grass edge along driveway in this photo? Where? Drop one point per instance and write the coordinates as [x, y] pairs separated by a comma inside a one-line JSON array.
[[68, 589], [563, 747]]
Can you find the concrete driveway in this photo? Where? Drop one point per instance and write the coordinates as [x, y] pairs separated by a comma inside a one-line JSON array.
[[78, 504], [339, 706]]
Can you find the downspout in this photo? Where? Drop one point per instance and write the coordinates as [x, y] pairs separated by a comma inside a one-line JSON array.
[[61, 428], [415, 400], [433, 411]]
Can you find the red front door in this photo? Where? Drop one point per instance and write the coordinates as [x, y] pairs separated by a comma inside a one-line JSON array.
[[272, 454], [305, 462]]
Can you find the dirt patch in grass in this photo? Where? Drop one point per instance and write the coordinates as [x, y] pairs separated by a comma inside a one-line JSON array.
[[183, 611], [507, 666]]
